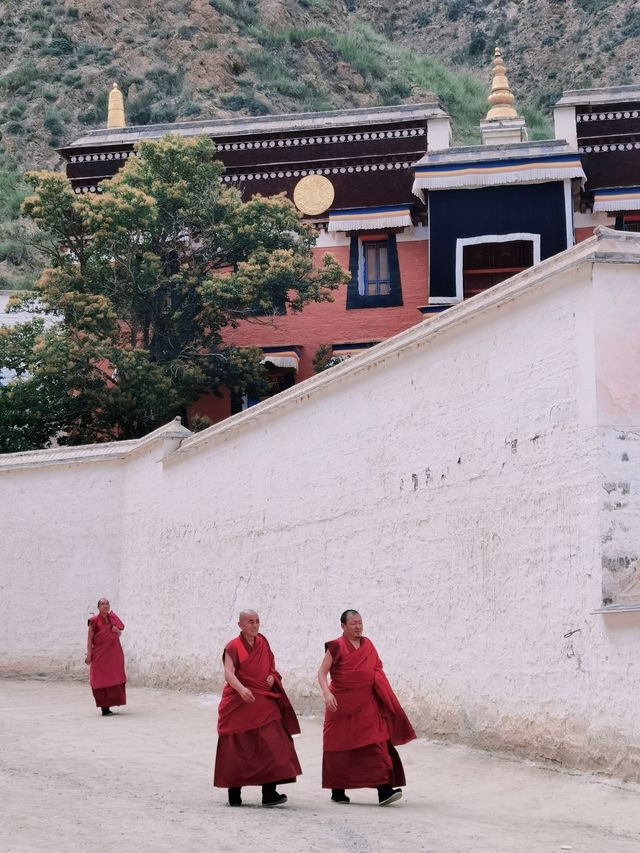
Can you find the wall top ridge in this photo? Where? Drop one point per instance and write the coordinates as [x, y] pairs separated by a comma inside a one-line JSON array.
[[606, 246], [81, 453], [245, 126]]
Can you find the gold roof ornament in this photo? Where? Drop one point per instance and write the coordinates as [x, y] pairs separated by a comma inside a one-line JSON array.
[[501, 98], [313, 195], [115, 114]]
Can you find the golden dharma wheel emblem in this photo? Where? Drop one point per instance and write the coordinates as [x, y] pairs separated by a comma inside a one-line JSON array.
[[313, 194]]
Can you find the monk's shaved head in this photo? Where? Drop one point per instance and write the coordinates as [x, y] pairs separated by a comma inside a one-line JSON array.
[[245, 613], [346, 615], [249, 624]]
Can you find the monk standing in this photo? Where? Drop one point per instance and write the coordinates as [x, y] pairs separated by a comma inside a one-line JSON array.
[[363, 718], [255, 719], [106, 659]]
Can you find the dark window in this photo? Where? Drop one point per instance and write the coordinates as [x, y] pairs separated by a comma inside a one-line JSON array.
[[486, 264], [632, 223], [375, 272], [376, 279]]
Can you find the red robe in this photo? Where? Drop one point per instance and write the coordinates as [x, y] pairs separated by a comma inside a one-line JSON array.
[[254, 738], [106, 672], [359, 738]]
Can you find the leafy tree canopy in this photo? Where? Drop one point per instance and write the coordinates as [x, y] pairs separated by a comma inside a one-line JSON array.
[[143, 279]]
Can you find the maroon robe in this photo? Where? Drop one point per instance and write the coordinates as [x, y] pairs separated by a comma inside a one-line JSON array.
[[359, 738], [254, 738], [106, 672]]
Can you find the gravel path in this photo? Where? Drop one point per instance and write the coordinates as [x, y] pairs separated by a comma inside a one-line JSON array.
[[140, 782]]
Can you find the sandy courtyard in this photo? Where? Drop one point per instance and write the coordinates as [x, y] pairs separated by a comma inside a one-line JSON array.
[[140, 782]]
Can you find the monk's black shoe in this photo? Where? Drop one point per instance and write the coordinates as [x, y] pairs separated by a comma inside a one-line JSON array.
[[234, 797], [338, 796], [107, 712], [388, 795], [274, 799]]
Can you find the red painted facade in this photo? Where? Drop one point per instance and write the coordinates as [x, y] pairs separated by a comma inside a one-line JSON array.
[[331, 323]]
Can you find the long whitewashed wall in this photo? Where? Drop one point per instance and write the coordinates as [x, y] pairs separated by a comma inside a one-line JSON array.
[[470, 486]]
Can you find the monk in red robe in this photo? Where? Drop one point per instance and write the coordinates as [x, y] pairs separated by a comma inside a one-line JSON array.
[[363, 718], [106, 659], [255, 719]]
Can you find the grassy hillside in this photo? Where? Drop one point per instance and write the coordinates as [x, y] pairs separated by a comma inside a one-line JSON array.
[[550, 45], [194, 58]]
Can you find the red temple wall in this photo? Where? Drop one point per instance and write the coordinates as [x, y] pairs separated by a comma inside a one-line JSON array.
[[331, 323], [584, 233]]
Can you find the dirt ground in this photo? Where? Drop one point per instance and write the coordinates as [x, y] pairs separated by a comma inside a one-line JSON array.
[[140, 782]]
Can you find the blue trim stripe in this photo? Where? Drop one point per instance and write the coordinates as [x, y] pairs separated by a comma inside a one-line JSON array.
[[616, 193], [489, 166], [363, 212]]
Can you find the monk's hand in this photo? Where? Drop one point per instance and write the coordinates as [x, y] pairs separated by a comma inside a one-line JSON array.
[[115, 630], [246, 695], [87, 660], [331, 703], [270, 679]]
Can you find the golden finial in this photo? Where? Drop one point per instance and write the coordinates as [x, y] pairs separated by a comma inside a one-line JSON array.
[[115, 116], [501, 99]]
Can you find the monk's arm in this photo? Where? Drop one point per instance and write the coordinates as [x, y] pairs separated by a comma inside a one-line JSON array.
[[230, 677], [89, 644], [271, 677], [329, 699]]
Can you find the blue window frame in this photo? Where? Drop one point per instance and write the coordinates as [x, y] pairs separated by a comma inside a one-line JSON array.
[[376, 280]]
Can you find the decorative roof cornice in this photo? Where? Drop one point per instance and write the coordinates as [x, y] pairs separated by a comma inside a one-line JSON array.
[[604, 95], [269, 124], [514, 150]]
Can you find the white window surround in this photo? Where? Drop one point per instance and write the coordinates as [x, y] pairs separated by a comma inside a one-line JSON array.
[[461, 242], [568, 213], [330, 240]]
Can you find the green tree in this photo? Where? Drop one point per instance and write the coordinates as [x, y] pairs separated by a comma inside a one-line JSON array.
[[144, 278]]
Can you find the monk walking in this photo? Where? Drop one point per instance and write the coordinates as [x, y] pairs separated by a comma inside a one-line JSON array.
[[106, 659], [255, 719], [363, 718]]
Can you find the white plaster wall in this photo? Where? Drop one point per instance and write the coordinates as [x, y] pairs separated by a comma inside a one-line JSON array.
[[448, 485], [60, 552]]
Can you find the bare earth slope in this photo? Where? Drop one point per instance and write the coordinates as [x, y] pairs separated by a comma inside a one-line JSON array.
[[550, 44]]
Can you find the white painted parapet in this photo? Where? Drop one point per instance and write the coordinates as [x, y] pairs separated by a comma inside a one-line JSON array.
[[471, 486]]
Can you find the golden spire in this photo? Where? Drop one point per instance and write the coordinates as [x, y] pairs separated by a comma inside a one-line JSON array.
[[501, 99], [115, 116]]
